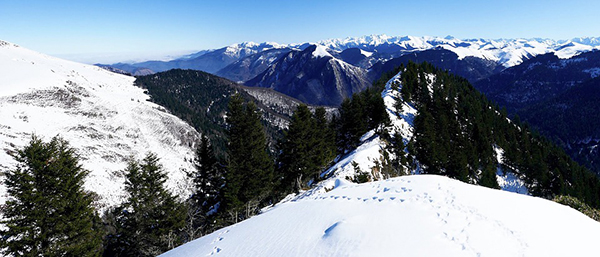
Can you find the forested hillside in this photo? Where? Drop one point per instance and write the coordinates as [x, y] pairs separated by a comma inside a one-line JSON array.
[[201, 99], [458, 133]]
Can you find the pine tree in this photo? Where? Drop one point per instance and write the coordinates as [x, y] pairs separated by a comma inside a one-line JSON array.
[[249, 174], [149, 221], [325, 149], [297, 158], [48, 213], [207, 179]]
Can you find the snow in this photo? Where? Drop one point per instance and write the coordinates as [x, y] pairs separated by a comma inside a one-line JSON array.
[[371, 145], [419, 215], [509, 52], [364, 155], [507, 180], [365, 53], [102, 115], [571, 49], [402, 121], [320, 52]]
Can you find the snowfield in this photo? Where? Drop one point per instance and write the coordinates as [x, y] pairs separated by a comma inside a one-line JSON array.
[[419, 215], [102, 115]]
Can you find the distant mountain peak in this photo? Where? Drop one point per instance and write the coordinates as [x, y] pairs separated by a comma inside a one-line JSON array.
[[320, 51]]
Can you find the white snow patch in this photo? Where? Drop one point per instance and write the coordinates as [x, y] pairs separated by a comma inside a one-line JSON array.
[[365, 53], [321, 51], [364, 155], [401, 120], [508, 181]]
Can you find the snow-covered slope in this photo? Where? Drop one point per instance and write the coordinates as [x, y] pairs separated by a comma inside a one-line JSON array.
[[100, 113], [419, 215]]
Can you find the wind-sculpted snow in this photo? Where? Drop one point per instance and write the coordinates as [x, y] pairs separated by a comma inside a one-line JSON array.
[[419, 215], [103, 116]]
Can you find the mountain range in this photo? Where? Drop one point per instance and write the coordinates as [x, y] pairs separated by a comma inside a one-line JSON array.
[[357, 61]]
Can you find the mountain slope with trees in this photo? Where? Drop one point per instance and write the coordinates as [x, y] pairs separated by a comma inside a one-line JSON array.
[[313, 76], [201, 99], [558, 97]]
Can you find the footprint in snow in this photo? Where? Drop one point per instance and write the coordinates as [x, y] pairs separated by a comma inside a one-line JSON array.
[[215, 251]]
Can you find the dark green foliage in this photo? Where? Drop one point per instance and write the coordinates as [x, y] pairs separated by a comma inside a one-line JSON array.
[[572, 120], [359, 114], [306, 149], [249, 176], [208, 176], [361, 177], [325, 149], [200, 99], [207, 179], [149, 221], [457, 127], [196, 97], [558, 97], [578, 205], [48, 213]]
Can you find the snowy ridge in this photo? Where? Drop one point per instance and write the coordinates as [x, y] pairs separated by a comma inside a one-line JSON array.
[[509, 52], [320, 51], [102, 114], [371, 145], [244, 49]]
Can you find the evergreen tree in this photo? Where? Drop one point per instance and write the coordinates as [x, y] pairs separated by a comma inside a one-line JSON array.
[[249, 174], [297, 158], [207, 177], [48, 213], [149, 221], [325, 149]]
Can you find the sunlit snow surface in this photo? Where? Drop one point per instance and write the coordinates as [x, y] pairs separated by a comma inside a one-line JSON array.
[[100, 113], [419, 215]]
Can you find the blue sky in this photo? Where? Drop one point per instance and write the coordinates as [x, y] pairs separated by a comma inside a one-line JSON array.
[[106, 30]]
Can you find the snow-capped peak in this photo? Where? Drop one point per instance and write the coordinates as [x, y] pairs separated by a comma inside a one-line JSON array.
[[509, 52], [320, 52]]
